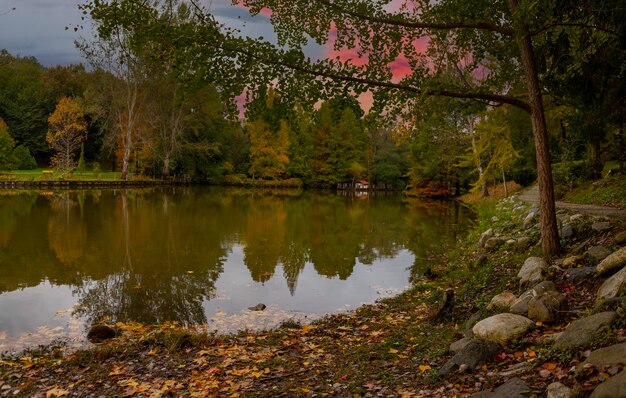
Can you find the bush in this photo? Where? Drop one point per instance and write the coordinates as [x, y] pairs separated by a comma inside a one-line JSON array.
[[566, 175], [23, 159]]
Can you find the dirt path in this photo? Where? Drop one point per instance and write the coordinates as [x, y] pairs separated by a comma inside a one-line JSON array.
[[531, 195]]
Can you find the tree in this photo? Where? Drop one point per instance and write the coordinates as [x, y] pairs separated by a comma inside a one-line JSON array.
[[7, 158], [23, 159], [66, 132]]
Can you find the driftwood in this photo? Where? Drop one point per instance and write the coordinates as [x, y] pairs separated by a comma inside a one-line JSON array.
[[444, 306]]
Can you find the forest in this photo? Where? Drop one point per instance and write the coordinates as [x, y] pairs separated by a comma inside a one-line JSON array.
[[463, 95]]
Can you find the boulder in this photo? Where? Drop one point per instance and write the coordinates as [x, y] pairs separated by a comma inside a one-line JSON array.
[[559, 390], [620, 238], [529, 220], [502, 300], [532, 271], [502, 328], [523, 242], [600, 226], [576, 217], [582, 332], [566, 231], [512, 388], [100, 333], [258, 307], [476, 352], [520, 306], [597, 253], [612, 286], [572, 261], [612, 262], [495, 219], [484, 237], [609, 304], [576, 274], [459, 344], [614, 387], [547, 308], [493, 243], [614, 355]]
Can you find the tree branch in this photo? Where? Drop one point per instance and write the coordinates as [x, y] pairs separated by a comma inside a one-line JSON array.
[[482, 25], [573, 24]]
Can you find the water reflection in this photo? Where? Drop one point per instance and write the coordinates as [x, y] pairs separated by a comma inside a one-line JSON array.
[[157, 255]]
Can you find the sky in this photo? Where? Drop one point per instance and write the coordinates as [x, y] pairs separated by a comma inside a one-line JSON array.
[[37, 27]]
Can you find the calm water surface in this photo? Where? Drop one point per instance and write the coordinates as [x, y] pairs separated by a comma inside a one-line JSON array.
[[202, 256]]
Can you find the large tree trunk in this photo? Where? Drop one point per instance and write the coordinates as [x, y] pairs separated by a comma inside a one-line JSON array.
[[549, 230]]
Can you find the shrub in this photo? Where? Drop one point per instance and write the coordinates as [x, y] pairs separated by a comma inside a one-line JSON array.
[[566, 175], [524, 177], [23, 159]]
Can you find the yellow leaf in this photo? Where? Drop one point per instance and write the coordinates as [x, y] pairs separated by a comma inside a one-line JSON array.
[[539, 323], [531, 353], [423, 368], [56, 392], [393, 351]]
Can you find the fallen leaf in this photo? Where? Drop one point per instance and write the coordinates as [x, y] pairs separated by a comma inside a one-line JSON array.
[[423, 368], [56, 392]]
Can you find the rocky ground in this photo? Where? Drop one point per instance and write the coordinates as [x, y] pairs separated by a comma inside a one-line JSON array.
[[494, 319]]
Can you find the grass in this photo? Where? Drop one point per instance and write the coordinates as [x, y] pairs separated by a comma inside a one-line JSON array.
[[609, 191], [59, 175]]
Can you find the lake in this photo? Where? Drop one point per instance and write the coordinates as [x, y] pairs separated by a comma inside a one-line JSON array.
[[203, 255]]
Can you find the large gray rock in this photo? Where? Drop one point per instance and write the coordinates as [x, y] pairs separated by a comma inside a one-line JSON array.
[[520, 306], [523, 242], [597, 253], [572, 261], [614, 355], [559, 390], [614, 387], [502, 328], [613, 262], [502, 300], [532, 272], [459, 344], [577, 274], [612, 286], [512, 388], [529, 220], [566, 231], [493, 243], [609, 304], [584, 331], [547, 308], [476, 352], [484, 237], [600, 226]]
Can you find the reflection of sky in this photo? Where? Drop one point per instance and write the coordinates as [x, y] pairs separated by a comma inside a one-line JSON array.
[[37, 28]]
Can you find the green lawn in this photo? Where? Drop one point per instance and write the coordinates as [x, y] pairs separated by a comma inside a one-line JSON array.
[[56, 175], [610, 191]]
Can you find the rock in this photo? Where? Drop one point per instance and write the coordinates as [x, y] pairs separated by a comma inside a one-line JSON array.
[[609, 304], [523, 242], [620, 238], [614, 387], [476, 352], [532, 271], [576, 274], [529, 220], [484, 237], [584, 331], [493, 243], [258, 307], [547, 308], [612, 262], [600, 226], [597, 253], [559, 390], [566, 231], [512, 388], [612, 286], [510, 242], [473, 320], [520, 306], [576, 217], [572, 261], [614, 355], [502, 300], [100, 333], [460, 344], [502, 328], [481, 260], [495, 219]]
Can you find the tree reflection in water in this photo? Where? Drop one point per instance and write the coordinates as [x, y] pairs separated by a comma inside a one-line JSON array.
[[155, 255]]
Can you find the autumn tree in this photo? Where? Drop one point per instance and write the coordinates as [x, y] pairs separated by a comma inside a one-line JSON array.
[[7, 159], [66, 132]]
